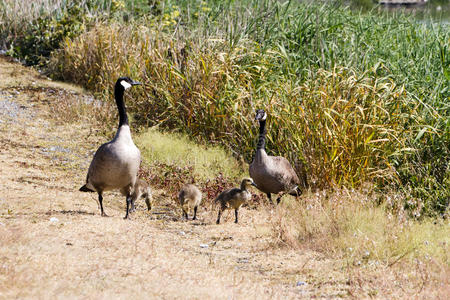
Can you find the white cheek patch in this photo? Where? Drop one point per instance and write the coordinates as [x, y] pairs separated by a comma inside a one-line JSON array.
[[264, 117], [125, 84]]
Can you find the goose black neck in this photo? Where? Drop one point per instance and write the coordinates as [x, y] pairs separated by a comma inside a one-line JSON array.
[[262, 135], [118, 95]]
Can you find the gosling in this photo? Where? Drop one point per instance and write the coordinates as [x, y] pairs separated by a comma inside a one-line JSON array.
[[189, 195], [142, 189], [234, 198]]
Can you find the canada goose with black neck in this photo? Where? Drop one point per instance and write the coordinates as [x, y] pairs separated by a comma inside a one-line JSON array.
[[271, 174], [115, 164]]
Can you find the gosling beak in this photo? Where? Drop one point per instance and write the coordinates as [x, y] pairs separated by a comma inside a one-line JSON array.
[[253, 184]]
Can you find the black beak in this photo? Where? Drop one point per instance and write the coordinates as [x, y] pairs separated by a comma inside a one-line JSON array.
[[135, 82], [253, 184]]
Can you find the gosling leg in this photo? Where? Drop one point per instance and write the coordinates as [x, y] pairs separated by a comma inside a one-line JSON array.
[[147, 201], [236, 215]]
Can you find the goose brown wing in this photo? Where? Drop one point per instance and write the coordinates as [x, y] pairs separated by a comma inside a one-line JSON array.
[[284, 167], [227, 194]]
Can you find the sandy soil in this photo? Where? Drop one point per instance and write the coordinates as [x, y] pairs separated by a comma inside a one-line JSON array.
[[55, 244]]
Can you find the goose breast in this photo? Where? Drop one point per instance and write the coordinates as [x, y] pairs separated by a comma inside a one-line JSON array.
[[115, 165], [273, 174]]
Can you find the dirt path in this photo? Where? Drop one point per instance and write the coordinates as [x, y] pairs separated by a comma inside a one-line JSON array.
[[54, 243]]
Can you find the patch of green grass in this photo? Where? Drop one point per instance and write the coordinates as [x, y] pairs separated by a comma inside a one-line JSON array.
[[177, 149]]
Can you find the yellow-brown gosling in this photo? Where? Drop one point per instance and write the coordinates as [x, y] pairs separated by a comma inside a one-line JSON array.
[[141, 189], [189, 195]]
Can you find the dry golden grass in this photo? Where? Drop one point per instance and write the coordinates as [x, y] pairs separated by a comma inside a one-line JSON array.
[[44, 159]]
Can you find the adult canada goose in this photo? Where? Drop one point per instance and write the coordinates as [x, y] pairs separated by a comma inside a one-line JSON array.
[[189, 195], [116, 163], [271, 174], [234, 198]]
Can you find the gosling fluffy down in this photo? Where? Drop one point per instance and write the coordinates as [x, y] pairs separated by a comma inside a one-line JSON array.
[[234, 198], [189, 195], [141, 189]]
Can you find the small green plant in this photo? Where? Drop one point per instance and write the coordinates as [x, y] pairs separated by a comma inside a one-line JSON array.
[[46, 33], [34, 31]]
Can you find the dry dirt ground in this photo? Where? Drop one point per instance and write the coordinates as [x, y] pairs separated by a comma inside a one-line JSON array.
[[55, 244]]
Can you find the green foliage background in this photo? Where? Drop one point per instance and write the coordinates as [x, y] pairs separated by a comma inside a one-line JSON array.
[[355, 97]]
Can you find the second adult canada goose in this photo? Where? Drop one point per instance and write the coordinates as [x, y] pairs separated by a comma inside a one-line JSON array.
[[116, 163], [272, 174]]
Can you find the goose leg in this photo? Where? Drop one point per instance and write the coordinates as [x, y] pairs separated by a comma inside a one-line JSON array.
[[269, 196], [195, 213], [133, 208], [100, 200], [218, 217], [185, 214], [236, 215], [128, 206]]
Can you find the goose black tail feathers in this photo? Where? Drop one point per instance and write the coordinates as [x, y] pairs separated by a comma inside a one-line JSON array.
[[295, 192], [84, 188]]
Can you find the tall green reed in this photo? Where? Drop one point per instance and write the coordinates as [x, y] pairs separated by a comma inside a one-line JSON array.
[[356, 97]]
